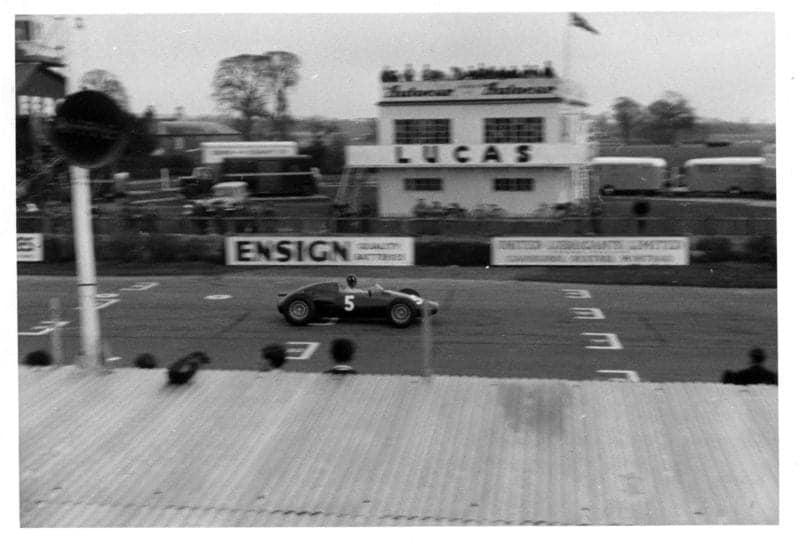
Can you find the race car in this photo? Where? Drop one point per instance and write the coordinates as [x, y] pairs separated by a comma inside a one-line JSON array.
[[331, 299]]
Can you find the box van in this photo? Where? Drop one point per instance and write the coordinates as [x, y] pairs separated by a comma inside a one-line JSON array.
[[731, 175], [618, 175]]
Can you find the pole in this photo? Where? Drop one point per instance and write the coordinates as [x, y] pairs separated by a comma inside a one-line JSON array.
[[55, 337], [566, 48], [427, 340], [84, 256]]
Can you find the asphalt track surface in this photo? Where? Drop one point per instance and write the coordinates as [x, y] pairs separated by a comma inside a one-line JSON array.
[[492, 328]]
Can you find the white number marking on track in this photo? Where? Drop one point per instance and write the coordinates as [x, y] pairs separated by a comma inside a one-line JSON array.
[[609, 341], [217, 297], [43, 328], [576, 294], [630, 376], [300, 350], [588, 313]]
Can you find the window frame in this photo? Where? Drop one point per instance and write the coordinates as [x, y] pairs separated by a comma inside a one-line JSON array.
[[407, 182], [422, 131], [513, 130], [513, 185]]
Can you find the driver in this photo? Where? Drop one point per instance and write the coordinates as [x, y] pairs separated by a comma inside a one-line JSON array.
[[351, 283]]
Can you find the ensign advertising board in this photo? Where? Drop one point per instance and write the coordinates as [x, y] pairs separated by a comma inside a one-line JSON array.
[[351, 251], [30, 247], [590, 251]]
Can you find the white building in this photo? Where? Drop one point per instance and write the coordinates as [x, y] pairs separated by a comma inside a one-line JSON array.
[[516, 143]]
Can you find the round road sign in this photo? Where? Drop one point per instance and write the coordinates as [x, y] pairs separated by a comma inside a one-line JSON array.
[[90, 129]]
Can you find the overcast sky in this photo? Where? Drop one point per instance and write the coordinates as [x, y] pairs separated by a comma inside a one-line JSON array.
[[723, 62]]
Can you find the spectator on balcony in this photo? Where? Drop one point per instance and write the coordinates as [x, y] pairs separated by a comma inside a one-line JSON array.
[[388, 75], [457, 73], [427, 73], [408, 73], [549, 72], [481, 72]]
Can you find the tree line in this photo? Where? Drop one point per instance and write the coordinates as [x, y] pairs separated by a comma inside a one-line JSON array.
[[663, 121]]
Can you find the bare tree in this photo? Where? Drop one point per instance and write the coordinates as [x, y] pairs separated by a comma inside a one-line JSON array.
[[254, 87], [105, 82], [283, 71]]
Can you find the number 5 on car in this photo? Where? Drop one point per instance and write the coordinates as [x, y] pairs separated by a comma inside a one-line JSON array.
[[348, 303]]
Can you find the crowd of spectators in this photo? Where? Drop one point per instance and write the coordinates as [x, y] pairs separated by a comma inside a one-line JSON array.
[[481, 72]]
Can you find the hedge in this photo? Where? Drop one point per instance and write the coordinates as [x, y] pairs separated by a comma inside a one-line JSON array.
[[133, 247]]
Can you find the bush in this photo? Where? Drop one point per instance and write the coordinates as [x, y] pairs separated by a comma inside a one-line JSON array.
[[715, 249], [466, 253], [762, 249]]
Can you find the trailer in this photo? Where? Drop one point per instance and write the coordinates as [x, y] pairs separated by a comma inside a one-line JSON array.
[[627, 175]]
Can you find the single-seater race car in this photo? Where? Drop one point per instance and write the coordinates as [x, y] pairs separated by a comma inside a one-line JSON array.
[[331, 299]]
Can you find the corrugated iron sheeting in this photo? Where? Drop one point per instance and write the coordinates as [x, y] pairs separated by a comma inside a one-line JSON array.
[[241, 448]]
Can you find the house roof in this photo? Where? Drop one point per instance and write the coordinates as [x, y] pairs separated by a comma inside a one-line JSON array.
[[243, 448]]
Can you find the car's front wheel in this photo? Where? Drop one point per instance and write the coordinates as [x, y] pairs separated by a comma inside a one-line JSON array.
[[400, 314], [299, 311]]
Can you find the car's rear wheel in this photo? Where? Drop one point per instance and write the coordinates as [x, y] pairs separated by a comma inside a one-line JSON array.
[[299, 311], [410, 291], [400, 314]]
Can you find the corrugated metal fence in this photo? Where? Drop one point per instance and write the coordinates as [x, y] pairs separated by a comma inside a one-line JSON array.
[[241, 448]]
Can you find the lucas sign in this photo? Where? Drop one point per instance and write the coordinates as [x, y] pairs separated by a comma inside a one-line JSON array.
[[257, 250], [590, 251]]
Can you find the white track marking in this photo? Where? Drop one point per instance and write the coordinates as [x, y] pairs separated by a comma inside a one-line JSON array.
[[43, 328], [304, 350], [588, 313], [576, 294], [141, 286], [327, 323], [217, 297], [107, 295], [609, 341], [630, 376]]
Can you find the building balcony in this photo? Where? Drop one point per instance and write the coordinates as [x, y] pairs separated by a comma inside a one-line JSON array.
[[467, 155], [480, 90]]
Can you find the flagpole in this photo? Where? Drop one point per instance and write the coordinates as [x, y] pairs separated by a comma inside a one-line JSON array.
[[566, 47]]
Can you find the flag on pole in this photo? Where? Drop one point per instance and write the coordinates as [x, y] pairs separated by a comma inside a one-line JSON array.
[[580, 22]]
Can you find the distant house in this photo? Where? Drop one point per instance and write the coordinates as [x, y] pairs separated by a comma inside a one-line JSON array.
[[185, 136]]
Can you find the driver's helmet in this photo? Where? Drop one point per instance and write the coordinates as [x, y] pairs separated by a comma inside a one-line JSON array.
[[351, 281]]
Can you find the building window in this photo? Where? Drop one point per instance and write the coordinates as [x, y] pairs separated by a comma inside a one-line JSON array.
[[422, 131], [423, 184], [179, 143], [513, 184], [509, 130]]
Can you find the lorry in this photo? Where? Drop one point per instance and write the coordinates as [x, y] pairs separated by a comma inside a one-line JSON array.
[[270, 169], [254, 180]]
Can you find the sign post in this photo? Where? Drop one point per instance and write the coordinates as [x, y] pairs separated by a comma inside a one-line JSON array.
[[89, 129]]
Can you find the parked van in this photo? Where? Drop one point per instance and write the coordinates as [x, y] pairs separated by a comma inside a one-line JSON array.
[[631, 175], [731, 175]]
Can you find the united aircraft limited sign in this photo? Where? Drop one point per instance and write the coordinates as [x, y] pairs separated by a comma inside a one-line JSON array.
[[256, 250], [590, 251]]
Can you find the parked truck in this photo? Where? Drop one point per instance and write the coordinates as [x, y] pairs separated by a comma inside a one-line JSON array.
[[254, 180]]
